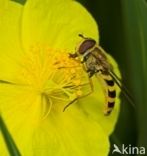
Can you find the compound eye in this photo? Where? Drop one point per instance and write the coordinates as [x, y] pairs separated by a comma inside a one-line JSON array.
[[86, 45]]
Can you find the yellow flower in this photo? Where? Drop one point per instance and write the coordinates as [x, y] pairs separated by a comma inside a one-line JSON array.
[[34, 44]]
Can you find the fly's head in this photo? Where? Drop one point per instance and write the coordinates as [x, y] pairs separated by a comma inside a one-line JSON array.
[[86, 45]]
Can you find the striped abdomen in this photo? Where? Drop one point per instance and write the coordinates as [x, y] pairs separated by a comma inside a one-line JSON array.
[[111, 93]]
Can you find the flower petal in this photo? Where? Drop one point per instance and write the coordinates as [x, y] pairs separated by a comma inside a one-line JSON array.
[[20, 114], [70, 133], [56, 23], [10, 47]]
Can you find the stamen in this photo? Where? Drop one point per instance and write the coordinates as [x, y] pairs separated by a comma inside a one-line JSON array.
[[54, 76]]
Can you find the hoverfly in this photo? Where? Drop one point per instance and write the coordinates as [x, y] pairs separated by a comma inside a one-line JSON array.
[[95, 62]]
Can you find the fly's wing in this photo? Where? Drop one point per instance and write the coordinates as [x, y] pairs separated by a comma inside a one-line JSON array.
[[124, 90]]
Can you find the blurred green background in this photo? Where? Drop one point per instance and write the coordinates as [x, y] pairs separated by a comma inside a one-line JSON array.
[[123, 33]]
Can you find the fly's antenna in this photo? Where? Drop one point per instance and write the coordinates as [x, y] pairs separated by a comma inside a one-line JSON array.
[[122, 87], [82, 36]]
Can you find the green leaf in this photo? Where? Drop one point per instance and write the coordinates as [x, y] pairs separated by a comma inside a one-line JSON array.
[[12, 148], [134, 13], [5, 82], [20, 1]]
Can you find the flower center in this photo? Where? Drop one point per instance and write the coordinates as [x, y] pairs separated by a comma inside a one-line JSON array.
[[51, 74]]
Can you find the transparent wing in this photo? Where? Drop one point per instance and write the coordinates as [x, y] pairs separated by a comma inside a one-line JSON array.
[[123, 88]]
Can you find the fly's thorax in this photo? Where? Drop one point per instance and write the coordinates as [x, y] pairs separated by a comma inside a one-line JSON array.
[[101, 57]]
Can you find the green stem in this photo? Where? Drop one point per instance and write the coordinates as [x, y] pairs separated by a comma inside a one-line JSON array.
[[11, 146]]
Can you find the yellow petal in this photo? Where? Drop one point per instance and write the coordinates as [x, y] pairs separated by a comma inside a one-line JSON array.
[[10, 43], [70, 133], [56, 23]]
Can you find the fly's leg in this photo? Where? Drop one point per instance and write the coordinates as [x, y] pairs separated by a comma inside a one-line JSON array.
[[89, 78], [79, 97], [70, 103], [73, 55], [88, 71], [76, 58]]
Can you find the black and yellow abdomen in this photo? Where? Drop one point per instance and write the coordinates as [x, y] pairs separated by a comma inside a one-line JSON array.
[[110, 93]]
